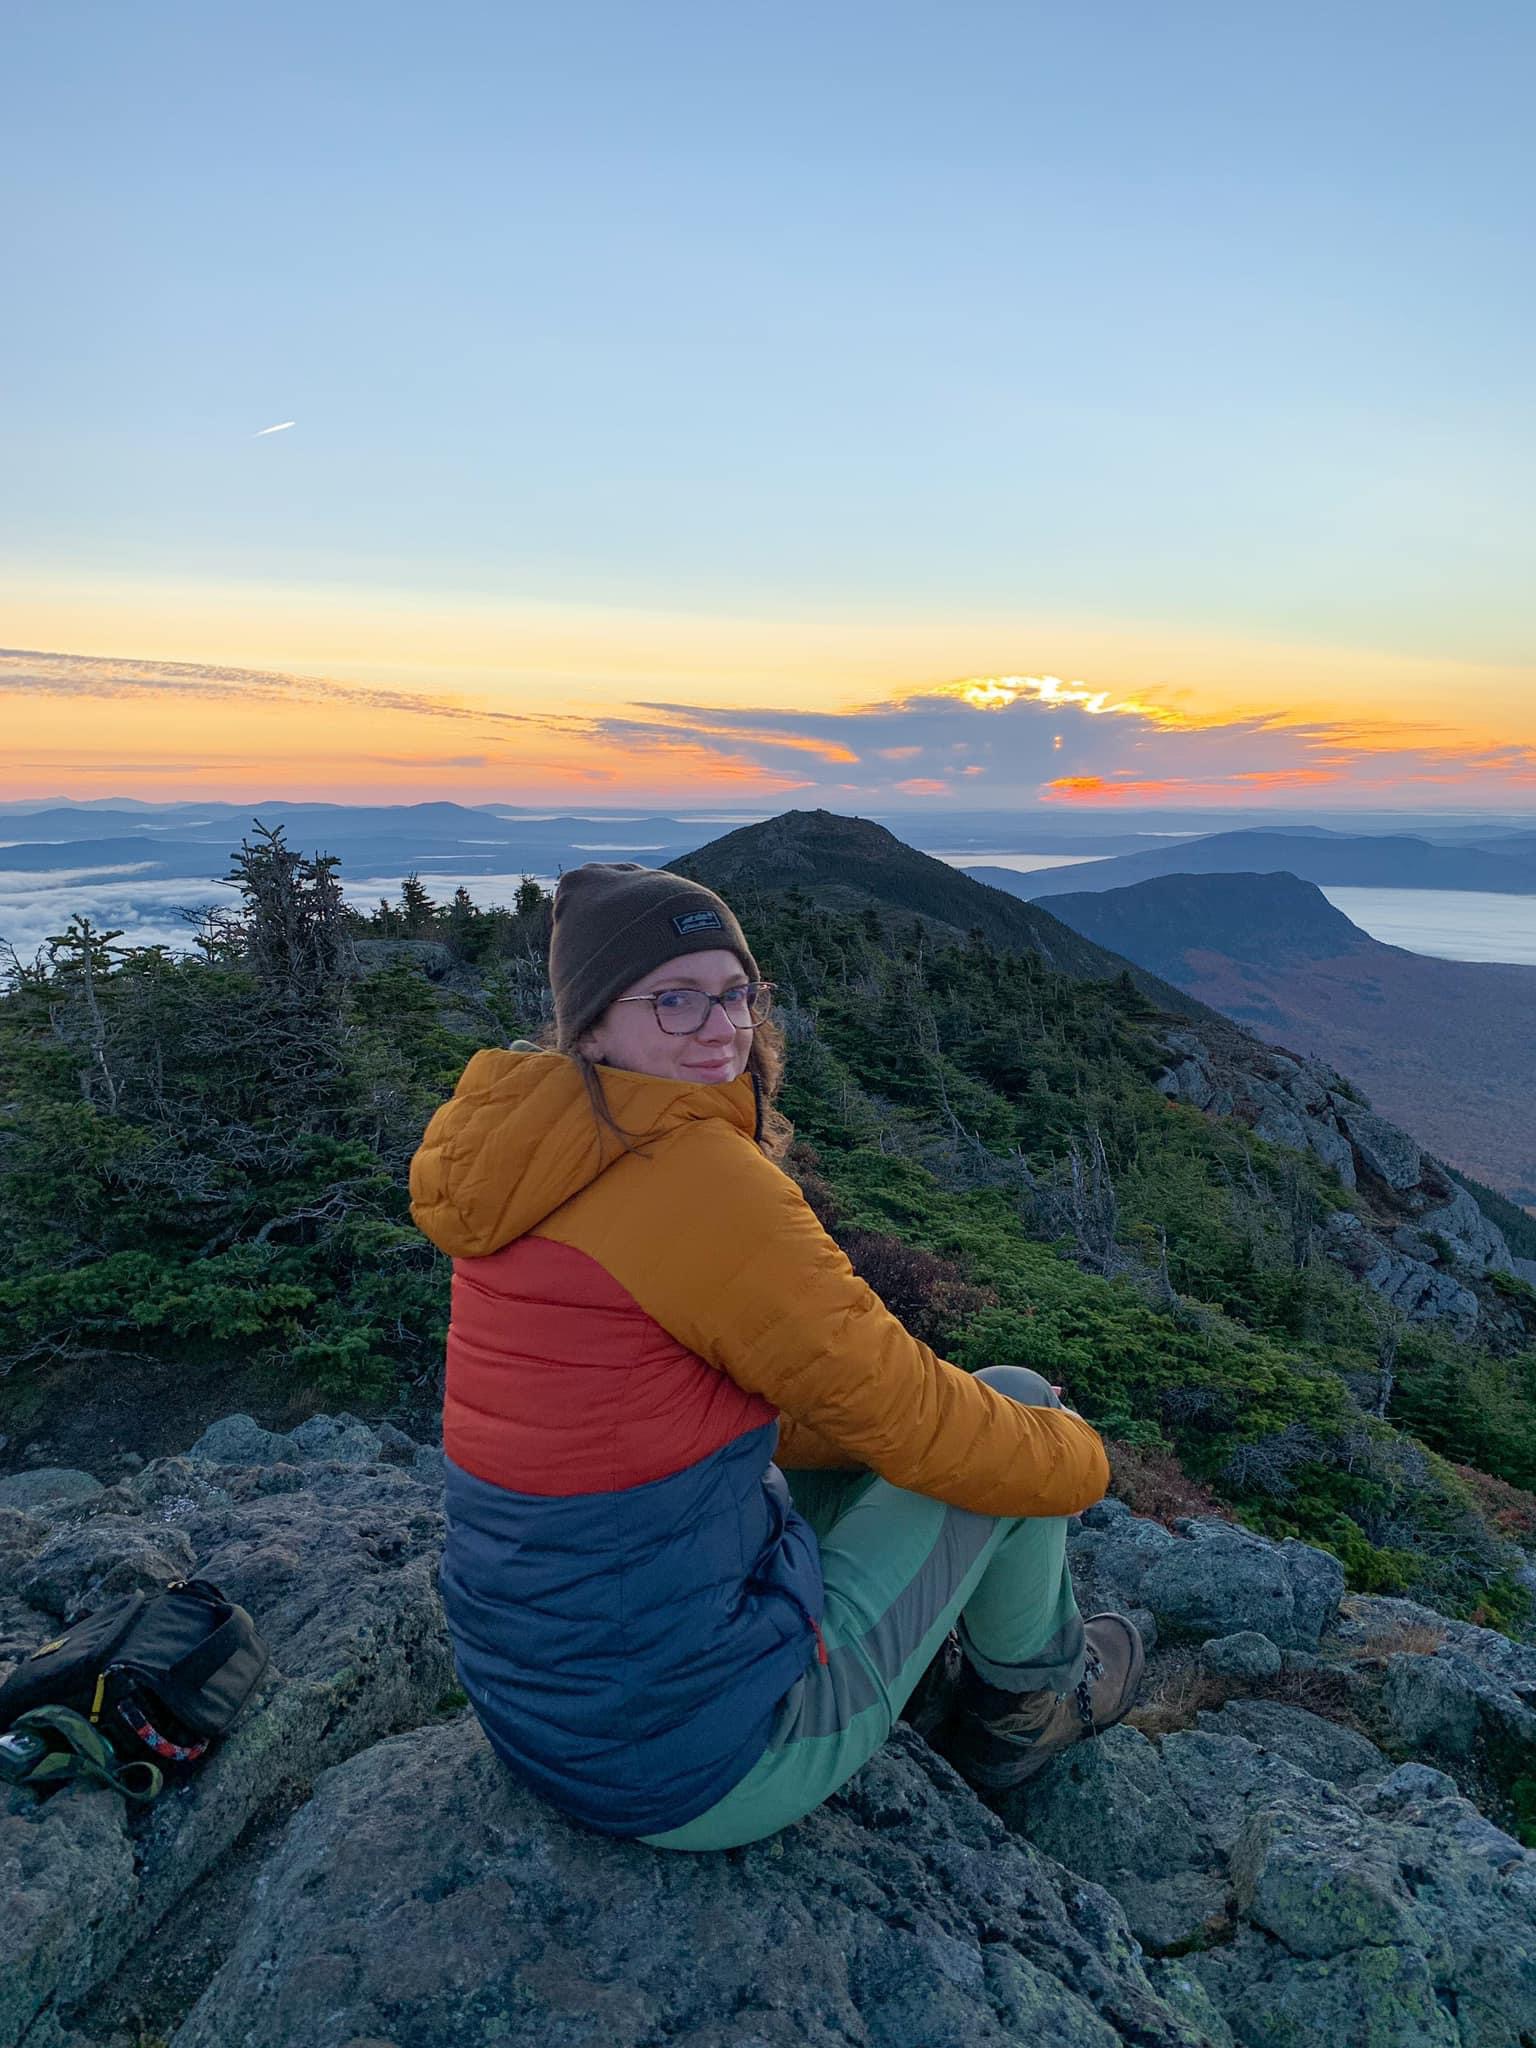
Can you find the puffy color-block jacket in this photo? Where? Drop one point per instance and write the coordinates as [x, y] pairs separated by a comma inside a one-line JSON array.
[[634, 1334]]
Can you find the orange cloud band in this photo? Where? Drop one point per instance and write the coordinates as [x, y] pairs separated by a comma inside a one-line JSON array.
[[176, 726]]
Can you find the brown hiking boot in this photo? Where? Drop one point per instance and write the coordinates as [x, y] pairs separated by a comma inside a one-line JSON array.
[[996, 1740]]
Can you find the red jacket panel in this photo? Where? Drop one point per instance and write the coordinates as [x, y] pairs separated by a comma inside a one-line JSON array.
[[559, 1382]]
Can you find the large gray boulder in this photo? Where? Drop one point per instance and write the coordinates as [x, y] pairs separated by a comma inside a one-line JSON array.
[[1323, 1749], [323, 1439], [1429, 1706], [1449, 1703], [47, 1485], [66, 1865], [1209, 1580], [1469, 1235], [80, 1569], [1390, 1154], [1247, 1655], [242, 1440], [900, 1915], [1401, 1920], [1462, 1690], [1389, 1913], [1109, 1811]]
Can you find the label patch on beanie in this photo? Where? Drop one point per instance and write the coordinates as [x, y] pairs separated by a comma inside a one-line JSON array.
[[697, 921]]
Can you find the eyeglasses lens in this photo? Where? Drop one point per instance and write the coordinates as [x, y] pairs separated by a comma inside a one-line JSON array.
[[682, 1011]]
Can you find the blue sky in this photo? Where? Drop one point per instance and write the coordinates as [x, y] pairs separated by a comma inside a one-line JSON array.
[[960, 301], [1216, 318]]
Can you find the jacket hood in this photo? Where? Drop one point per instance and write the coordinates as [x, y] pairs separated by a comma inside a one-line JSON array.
[[519, 1138]]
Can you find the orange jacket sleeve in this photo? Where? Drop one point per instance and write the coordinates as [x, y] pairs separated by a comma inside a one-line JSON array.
[[802, 1448], [722, 1249]]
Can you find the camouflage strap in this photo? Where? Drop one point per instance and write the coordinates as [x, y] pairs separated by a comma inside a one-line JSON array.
[[85, 1754]]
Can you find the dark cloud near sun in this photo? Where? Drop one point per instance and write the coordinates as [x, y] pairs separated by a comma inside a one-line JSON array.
[[948, 745]]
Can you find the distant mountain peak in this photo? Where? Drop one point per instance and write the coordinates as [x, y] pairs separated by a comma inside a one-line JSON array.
[[1339, 860], [853, 864], [804, 839], [1265, 919]]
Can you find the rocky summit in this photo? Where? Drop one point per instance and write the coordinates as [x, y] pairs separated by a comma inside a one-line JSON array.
[[1300, 1838]]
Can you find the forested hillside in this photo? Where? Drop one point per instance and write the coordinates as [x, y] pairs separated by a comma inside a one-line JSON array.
[[202, 1176]]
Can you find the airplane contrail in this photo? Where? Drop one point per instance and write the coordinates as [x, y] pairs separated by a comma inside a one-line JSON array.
[[281, 428]]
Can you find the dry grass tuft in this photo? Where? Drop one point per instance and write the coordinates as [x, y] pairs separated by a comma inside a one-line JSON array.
[[1331, 1695], [1176, 1696], [1177, 1691], [1398, 1639], [1151, 1483]]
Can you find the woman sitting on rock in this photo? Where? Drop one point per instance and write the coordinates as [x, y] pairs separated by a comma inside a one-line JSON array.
[[659, 1634]]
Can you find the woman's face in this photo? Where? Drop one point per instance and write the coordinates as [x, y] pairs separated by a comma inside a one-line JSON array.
[[627, 1034]]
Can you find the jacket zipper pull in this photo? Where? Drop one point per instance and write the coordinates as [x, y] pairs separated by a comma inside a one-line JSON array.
[[821, 1648]]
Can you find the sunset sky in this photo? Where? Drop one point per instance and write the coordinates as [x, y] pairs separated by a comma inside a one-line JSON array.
[[993, 404]]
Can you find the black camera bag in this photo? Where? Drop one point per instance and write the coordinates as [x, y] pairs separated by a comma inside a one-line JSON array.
[[160, 1675]]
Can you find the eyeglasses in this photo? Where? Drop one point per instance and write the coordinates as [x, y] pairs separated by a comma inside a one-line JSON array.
[[682, 1011]]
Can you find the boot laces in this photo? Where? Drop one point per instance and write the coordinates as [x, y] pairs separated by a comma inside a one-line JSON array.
[[1083, 1694]]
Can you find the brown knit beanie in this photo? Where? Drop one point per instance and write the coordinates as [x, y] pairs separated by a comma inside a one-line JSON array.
[[614, 921]]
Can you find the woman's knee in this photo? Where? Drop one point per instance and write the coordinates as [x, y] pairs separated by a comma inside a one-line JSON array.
[[1020, 1384]]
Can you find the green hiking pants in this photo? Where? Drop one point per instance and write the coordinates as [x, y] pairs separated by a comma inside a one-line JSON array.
[[900, 1571]]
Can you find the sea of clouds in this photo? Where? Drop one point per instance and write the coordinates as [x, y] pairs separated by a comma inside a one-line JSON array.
[[162, 913], [1449, 924]]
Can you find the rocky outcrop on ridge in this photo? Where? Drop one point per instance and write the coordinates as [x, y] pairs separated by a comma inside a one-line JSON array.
[[1208, 1582], [1422, 1242], [902, 1913], [1304, 1892], [354, 1868]]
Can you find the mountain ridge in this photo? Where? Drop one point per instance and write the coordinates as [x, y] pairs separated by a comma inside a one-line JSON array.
[[1395, 861], [1442, 1047]]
